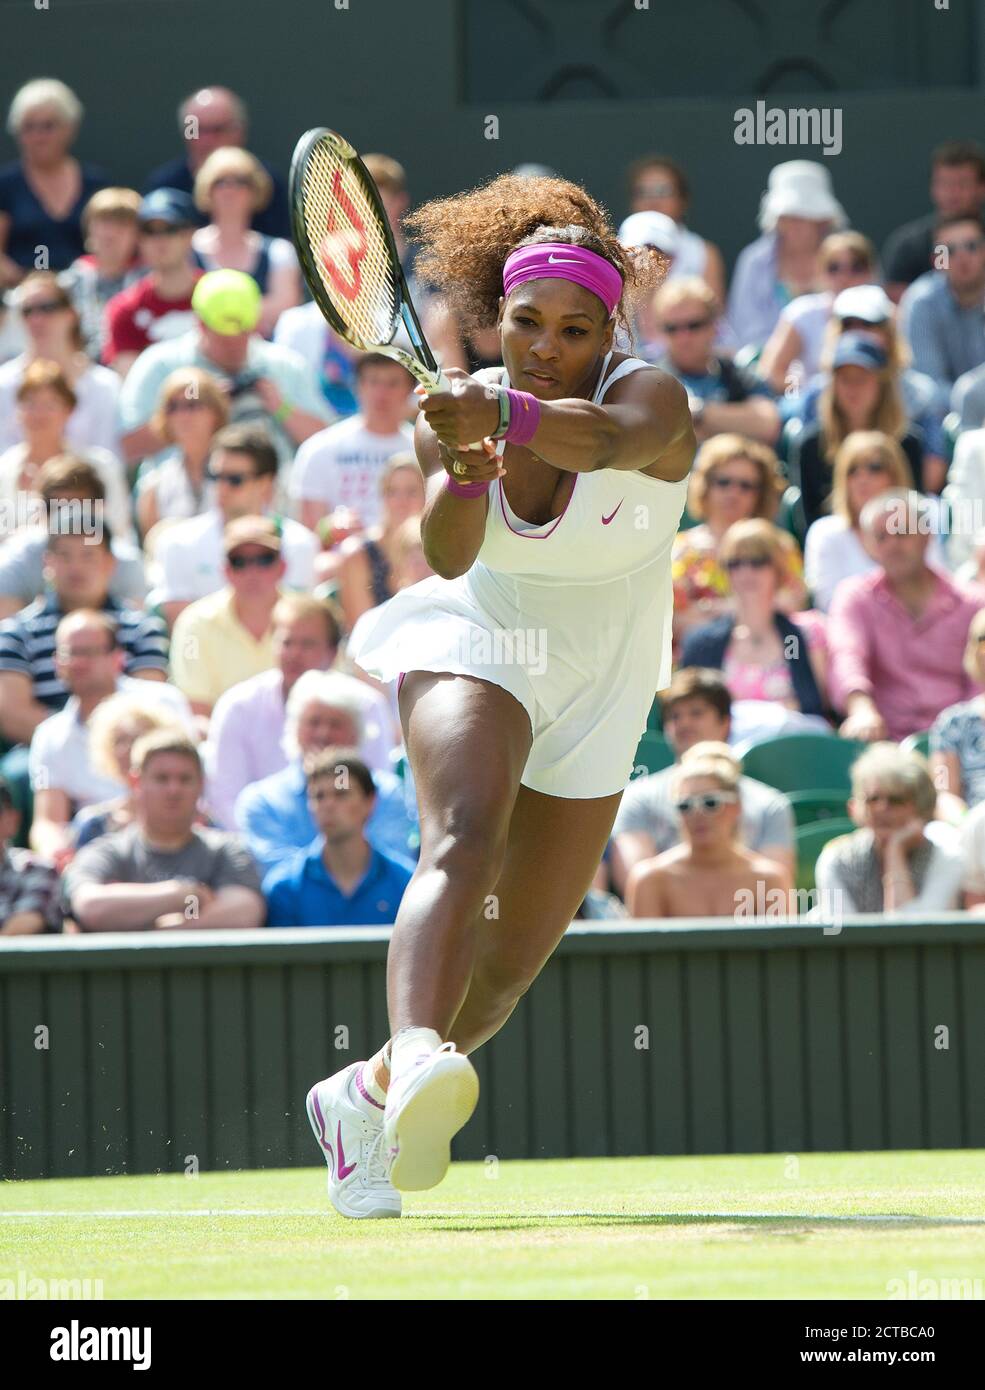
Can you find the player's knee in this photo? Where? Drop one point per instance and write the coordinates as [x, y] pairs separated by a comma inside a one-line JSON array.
[[469, 840]]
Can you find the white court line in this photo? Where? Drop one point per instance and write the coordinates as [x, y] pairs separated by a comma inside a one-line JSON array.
[[154, 1212]]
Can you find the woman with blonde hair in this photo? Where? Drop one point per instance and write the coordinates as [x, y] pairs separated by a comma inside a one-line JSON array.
[[867, 463], [191, 408], [862, 393], [733, 479], [368, 561], [762, 654], [231, 186], [890, 864], [114, 727]]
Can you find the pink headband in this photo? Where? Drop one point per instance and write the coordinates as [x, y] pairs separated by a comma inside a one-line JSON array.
[[557, 260]]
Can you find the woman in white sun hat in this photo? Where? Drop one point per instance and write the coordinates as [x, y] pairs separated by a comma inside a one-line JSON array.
[[796, 213]]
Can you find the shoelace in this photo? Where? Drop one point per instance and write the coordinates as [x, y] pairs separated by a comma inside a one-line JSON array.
[[377, 1166]]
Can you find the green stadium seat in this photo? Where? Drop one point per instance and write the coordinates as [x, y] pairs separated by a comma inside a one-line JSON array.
[[917, 743], [790, 515], [803, 762], [655, 719], [810, 840], [810, 807], [654, 753]]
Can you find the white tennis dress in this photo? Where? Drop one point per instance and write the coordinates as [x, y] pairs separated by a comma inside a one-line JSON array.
[[572, 617]]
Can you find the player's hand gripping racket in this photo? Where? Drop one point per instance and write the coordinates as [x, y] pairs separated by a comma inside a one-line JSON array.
[[348, 256]]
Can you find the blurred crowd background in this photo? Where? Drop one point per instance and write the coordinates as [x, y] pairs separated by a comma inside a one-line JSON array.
[[203, 490]]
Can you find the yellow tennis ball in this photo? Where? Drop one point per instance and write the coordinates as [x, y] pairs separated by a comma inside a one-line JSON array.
[[228, 301]]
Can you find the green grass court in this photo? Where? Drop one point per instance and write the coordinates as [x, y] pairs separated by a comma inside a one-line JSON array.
[[762, 1226]]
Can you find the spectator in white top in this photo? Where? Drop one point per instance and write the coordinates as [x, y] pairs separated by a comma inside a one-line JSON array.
[[247, 726], [342, 465], [330, 359], [891, 863], [70, 495], [243, 470], [696, 710], [193, 409], [867, 463], [55, 335], [45, 402], [792, 354], [89, 659], [231, 187], [659, 184], [973, 847]]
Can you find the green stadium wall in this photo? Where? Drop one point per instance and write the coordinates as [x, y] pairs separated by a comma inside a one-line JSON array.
[[758, 1038]]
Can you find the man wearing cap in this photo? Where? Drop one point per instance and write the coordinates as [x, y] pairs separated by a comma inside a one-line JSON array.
[[189, 558], [228, 637], [209, 119], [159, 305], [942, 314], [266, 383]]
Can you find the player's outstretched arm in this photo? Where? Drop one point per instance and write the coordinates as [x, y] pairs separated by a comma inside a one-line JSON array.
[[452, 526]]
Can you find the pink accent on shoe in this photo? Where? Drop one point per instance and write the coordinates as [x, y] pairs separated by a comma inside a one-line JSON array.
[[343, 1170], [361, 1088]]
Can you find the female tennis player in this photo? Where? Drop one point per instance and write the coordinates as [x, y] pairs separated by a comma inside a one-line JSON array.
[[527, 665]]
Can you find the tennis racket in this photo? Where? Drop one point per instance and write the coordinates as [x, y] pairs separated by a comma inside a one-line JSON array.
[[347, 253]]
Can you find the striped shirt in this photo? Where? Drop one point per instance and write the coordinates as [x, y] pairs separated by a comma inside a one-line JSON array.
[[27, 645], [28, 884]]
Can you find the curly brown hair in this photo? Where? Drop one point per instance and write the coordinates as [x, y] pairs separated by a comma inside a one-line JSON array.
[[465, 241]]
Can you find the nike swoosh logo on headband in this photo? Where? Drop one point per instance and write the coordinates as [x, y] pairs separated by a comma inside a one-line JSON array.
[[561, 260]]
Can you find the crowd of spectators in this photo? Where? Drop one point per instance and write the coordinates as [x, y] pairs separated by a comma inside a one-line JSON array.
[[203, 490]]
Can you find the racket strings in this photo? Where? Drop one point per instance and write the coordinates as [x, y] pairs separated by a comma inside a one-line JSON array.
[[349, 247]]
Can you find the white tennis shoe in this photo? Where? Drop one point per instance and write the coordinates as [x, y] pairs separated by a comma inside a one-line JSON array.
[[425, 1107], [353, 1147]]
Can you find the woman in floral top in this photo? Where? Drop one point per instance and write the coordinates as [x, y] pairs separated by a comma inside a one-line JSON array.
[[733, 479]]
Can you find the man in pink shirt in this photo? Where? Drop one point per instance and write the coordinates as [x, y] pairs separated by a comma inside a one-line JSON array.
[[247, 722], [897, 635]]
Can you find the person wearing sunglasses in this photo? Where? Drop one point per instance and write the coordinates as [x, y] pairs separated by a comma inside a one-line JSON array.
[[733, 479], [724, 398], [192, 410], [209, 119], [867, 464], [941, 313], [159, 306], [899, 859], [957, 185], [230, 188], [42, 193], [45, 405], [868, 310], [792, 354], [762, 653], [710, 872], [242, 474], [898, 634], [54, 334], [228, 637], [862, 393], [659, 184]]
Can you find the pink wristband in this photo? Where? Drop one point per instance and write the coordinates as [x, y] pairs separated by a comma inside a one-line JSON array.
[[466, 489], [524, 417]]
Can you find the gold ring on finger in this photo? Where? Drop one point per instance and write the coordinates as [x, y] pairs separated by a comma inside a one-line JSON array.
[[460, 468]]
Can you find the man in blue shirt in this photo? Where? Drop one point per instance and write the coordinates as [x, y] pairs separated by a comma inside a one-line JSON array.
[[325, 709], [340, 880], [942, 315]]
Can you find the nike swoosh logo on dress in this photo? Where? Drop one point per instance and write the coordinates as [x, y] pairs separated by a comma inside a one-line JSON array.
[[607, 519]]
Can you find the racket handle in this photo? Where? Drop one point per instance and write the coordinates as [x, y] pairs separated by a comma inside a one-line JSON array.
[[442, 383]]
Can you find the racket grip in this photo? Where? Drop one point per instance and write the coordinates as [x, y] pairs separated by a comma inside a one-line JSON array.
[[443, 384]]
